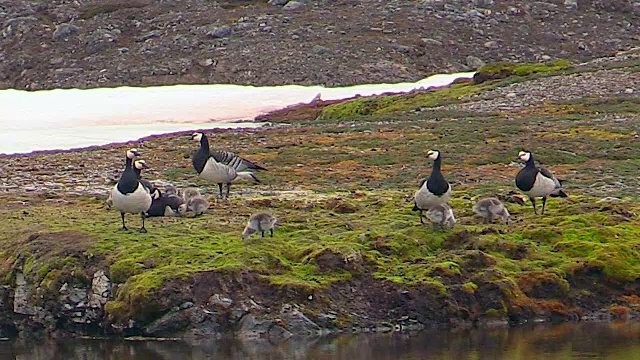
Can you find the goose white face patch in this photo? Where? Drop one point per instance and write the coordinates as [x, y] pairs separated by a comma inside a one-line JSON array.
[[433, 154], [524, 156], [140, 164], [197, 136], [132, 153]]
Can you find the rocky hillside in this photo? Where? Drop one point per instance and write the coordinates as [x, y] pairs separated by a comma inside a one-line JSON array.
[[48, 44]]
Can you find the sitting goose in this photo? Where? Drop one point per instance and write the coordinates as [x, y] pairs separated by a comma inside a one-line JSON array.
[[221, 167], [434, 190], [129, 195], [491, 208], [164, 205], [536, 181]]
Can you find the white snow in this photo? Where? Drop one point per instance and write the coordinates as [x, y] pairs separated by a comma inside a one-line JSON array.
[[71, 118]]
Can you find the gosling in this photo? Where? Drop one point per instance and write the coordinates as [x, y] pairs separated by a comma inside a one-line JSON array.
[[170, 190], [260, 222], [198, 205], [189, 193], [490, 209], [441, 217]]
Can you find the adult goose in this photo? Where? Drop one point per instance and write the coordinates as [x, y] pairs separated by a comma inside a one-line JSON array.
[[129, 195], [434, 190], [138, 166], [163, 204], [221, 167], [536, 181]]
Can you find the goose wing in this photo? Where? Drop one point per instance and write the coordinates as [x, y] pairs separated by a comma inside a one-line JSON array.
[[548, 174], [235, 161]]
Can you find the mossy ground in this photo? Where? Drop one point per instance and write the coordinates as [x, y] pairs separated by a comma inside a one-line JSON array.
[[344, 186]]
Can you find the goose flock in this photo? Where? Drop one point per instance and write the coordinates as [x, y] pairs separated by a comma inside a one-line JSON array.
[[135, 195]]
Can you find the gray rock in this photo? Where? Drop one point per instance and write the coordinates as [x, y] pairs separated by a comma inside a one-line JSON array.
[[63, 31], [150, 35], [20, 297], [100, 291], [474, 62], [220, 301], [253, 328], [100, 40], [432, 42], [218, 32], [319, 49], [298, 324], [491, 44], [571, 4], [293, 5]]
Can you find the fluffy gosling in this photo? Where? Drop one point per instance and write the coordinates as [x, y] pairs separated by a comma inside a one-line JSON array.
[[441, 216], [198, 205], [259, 222], [490, 209]]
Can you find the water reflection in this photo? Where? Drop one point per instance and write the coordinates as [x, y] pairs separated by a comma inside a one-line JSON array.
[[564, 341]]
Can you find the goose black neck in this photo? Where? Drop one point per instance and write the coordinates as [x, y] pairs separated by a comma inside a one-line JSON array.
[[128, 162], [204, 142], [436, 164], [530, 162]]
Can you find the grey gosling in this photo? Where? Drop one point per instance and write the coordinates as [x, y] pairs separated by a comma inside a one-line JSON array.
[[188, 193], [197, 204], [536, 181], [490, 209], [170, 190], [259, 222], [441, 216]]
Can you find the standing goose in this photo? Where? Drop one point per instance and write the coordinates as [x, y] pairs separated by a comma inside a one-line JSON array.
[[434, 190], [138, 165], [129, 195], [221, 167], [536, 181]]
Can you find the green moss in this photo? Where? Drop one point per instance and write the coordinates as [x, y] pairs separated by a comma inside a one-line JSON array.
[[525, 69]]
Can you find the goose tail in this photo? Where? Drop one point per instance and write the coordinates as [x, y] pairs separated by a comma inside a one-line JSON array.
[[247, 175], [559, 193]]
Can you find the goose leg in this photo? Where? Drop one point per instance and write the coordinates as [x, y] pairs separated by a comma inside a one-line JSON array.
[[271, 231], [421, 217], [263, 233], [544, 202], [533, 202], [142, 229], [124, 227], [228, 189], [220, 190]]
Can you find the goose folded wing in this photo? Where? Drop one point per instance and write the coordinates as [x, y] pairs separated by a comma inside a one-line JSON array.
[[548, 174], [235, 161]]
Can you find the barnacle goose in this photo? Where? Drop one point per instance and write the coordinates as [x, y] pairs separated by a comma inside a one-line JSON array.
[[434, 190], [164, 205], [536, 181], [129, 195], [221, 167]]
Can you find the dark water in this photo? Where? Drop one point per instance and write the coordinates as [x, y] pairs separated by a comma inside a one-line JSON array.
[[609, 341]]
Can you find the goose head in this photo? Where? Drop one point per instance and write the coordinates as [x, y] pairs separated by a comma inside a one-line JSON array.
[[132, 153], [197, 136], [156, 194], [524, 155], [433, 154], [140, 164]]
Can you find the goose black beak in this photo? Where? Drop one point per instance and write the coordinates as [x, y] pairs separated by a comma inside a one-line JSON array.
[[136, 153]]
